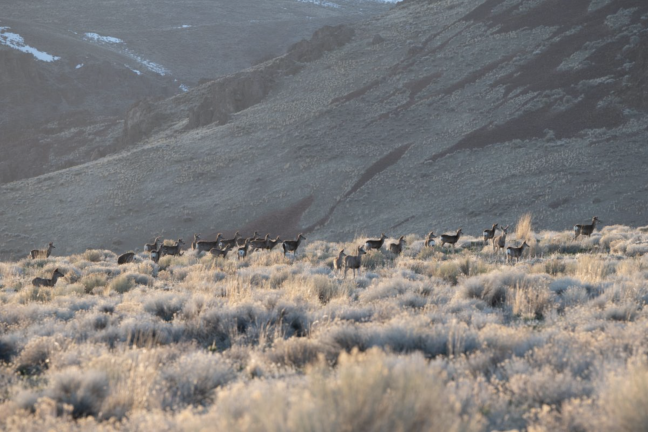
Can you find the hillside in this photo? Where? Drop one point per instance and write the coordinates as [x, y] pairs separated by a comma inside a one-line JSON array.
[[70, 69], [434, 115]]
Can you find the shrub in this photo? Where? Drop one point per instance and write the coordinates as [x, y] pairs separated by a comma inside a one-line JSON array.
[[448, 271], [625, 400], [121, 284], [92, 281], [373, 259], [93, 255], [84, 391], [165, 306], [34, 358], [192, 379]]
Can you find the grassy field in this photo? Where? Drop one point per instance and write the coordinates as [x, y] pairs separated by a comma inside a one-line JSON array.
[[429, 340]]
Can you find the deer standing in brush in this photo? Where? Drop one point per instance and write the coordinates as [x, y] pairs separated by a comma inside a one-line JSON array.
[[375, 243], [499, 242], [585, 230], [222, 253], [43, 282], [230, 242], [204, 246], [173, 249], [243, 250], [292, 245], [450, 239], [42, 253], [489, 234], [397, 248], [515, 252], [338, 262], [149, 247], [353, 262], [429, 240]]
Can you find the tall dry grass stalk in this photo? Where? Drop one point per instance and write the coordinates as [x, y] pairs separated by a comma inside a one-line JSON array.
[[524, 229]]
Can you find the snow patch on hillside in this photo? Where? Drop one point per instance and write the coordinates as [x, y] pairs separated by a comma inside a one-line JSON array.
[[105, 39], [15, 41], [321, 3], [153, 67]]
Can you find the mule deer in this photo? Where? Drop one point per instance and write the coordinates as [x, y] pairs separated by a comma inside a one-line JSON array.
[[43, 282], [172, 250], [254, 236], [149, 247], [499, 242], [204, 246], [586, 230], [230, 242], [397, 248], [292, 245], [338, 262], [489, 234], [353, 262], [375, 243], [450, 239], [42, 253], [259, 243], [515, 252], [156, 254], [126, 258], [195, 241], [220, 252], [429, 241], [270, 244], [243, 250]]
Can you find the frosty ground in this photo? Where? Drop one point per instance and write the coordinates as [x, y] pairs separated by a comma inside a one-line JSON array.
[[429, 340]]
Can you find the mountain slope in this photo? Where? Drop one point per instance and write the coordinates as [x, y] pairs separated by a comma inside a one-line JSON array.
[[70, 69], [437, 114]]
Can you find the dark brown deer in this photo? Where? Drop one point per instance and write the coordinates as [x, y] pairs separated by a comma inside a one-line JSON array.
[[515, 252], [450, 239], [292, 245], [259, 243], [397, 248], [222, 253], [489, 234], [43, 282], [586, 230], [205, 246], [175, 249], [375, 243], [230, 242], [272, 243], [42, 253], [353, 262], [255, 236], [126, 258]]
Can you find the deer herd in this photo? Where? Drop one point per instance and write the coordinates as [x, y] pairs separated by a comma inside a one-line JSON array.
[[220, 247]]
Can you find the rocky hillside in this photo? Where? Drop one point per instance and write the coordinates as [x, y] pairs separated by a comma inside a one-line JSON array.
[[435, 115]]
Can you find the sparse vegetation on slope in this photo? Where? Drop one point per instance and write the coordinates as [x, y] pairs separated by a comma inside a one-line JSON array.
[[439, 340]]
